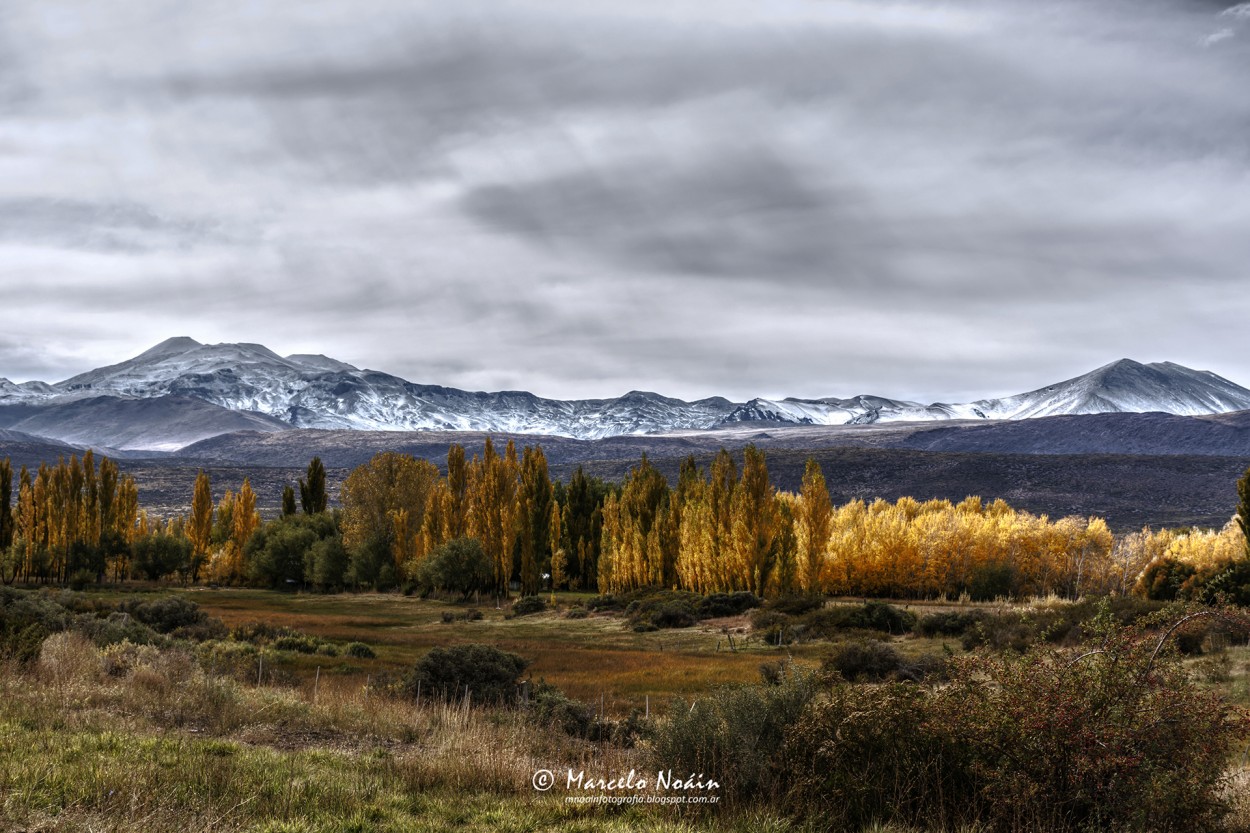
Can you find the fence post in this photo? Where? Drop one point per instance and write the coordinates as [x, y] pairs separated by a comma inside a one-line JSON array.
[[316, 684]]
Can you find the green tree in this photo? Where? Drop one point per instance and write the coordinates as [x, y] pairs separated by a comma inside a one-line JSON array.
[[326, 563], [160, 555], [536, 500], [312, 491], [276, 552], [459, 566], [288, 502], [6, 504]]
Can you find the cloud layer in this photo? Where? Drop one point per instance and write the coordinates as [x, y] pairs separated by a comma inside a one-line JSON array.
[[915, 199]]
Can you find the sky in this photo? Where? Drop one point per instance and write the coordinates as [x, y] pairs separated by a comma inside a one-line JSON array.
[[926, 200]]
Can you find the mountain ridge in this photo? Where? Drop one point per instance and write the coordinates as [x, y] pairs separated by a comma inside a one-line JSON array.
[[248, 386]]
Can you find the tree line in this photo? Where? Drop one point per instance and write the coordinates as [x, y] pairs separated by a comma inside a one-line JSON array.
[[498, 523]]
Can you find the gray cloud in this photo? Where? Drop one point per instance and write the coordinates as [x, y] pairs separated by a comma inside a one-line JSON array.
[[920, 199]]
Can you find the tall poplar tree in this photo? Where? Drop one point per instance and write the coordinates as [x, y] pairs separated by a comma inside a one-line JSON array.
[[534, 502], [812, 527], [312, 491], [6, 504], [200, 528]]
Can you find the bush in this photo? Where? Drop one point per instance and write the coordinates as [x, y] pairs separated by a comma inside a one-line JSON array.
[[717, 605], [359, 650], [489, 674], [121, 658], [872, 661], [1166, 579], [672, 615], [166, 614], [606, 602], [796, 605], [550, 706], [527, 605], [868, 661], [69, 657], [471, 615], [949, 623], [735, 735], [773, 627], [300, 644], [777, 627], [663, 608], [576, 613], [1115, 738]]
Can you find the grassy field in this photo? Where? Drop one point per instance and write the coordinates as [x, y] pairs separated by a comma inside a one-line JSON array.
[[592, 658], [168, 748], [168, 745]]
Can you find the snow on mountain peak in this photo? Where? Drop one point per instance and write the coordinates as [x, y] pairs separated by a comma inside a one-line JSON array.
[[315, 391]]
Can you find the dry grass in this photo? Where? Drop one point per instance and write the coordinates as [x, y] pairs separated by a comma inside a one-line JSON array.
[[162, 746]]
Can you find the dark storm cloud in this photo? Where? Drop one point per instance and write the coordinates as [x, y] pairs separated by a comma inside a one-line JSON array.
[[736, 215], [918, 199]]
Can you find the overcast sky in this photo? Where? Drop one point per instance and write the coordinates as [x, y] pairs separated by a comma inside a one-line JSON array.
[[931, 200]]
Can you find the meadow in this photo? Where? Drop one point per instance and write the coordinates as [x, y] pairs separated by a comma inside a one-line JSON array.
[[100, 737]]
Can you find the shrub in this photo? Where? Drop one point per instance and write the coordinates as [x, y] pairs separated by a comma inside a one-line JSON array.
[[527, 605], [727, 604], [773, 627], [879, 616], [301, 644], [663, 608], [549, 706], [796, 605], [359, 650], [228, 658], [488, 673], [166, 614], [471, 615], [777, 627], [873, 661], [672, 615], [735, 735], [949, 623], [606, 602], [869, 661], [1116, 737], [576, 613], [867, 756], [69, 657]]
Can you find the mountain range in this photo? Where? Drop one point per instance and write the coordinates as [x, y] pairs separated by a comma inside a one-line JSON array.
[[181, 392]]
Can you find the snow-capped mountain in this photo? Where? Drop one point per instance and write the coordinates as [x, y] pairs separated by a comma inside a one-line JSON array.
[[1124, 386], [248, 386]]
